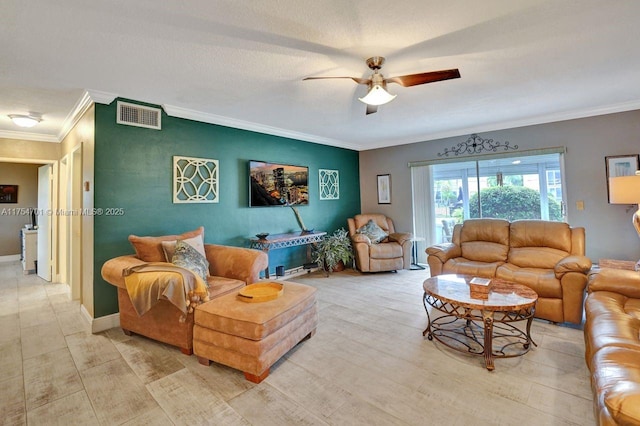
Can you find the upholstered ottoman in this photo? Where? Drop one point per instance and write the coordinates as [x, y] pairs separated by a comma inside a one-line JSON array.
[[251, 337]]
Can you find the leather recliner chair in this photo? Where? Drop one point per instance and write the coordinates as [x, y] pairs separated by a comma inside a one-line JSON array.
[[391, 254]]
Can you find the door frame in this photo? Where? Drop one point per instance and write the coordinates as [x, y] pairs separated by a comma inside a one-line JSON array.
[[46, 222], [53, 202], [74, 226]]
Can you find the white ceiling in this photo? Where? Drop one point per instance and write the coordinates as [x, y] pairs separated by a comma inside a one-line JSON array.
[[241, 63]]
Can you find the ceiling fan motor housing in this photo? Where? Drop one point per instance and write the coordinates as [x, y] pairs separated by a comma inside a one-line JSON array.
[[375, 62], [377, 79]]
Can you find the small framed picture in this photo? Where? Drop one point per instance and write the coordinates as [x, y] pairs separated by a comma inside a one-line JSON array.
[[8, 193], [621, 165], [384, 189]]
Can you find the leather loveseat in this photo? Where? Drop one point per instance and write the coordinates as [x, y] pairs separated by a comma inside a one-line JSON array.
[[230, 269], [546, 256], [612, 345]]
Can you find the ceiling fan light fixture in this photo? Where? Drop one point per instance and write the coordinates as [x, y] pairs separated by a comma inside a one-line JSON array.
[[24, 120], [377, 95], [377, 85]]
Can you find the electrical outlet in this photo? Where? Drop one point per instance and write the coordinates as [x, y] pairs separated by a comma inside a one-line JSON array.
[[580, 205]]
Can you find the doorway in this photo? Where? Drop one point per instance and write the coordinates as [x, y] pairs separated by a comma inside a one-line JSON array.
[[70, 222], [74, 226], [45, 186]]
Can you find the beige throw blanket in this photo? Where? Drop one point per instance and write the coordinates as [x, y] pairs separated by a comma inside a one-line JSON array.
[[150, 282]]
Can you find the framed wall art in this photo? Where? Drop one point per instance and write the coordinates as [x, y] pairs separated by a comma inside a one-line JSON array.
[[8, 193], [195, 180], [329, 184], [621, 165], [384, 189]]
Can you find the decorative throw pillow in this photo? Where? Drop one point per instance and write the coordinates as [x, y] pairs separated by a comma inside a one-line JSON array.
[[169, 247], [373, 231], [188, 257], [149, 249]]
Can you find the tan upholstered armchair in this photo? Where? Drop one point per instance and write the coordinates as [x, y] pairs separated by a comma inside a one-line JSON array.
[[391, 253], [230, 269]]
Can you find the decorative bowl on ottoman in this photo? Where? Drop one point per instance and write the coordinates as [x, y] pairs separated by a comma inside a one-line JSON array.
[[262, 292]]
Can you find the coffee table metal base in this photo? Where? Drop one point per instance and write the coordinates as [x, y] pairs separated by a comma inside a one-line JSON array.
[[485, 333]]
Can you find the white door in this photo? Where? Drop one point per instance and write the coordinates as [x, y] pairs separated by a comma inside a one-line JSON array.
[[44, 222]]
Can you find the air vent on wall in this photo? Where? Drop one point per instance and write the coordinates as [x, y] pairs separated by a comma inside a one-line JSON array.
[[138, 115]]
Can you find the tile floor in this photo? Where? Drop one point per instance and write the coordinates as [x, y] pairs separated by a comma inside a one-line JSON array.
[[368, 364]]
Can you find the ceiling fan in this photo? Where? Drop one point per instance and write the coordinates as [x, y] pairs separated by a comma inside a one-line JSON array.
[[377, 84]]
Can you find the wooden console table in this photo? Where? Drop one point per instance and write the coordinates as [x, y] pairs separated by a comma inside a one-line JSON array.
[[292, 239]]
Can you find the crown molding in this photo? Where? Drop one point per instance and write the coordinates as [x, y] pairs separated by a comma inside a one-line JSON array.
[[28, 136], [89, 97], [514, 124], [204, 117], [100, 97], [74, 116]]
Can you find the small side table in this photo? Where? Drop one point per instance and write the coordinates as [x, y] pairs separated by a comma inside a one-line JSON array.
[[415, 266], [617, 264]]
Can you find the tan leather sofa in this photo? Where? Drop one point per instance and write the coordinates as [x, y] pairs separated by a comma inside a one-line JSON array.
[[545, 256], [612, 345], [392, 254], [231, 268]]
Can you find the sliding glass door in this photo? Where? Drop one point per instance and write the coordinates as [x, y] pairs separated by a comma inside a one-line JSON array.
[[514, 187]]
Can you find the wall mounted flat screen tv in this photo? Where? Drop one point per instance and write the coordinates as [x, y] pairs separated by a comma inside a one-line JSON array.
[[274, 184]]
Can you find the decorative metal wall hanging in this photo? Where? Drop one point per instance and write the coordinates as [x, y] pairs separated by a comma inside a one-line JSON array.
[[475, 145], [195, 180], [329, 184]]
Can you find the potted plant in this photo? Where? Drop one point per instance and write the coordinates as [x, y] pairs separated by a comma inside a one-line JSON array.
[[334, 252]]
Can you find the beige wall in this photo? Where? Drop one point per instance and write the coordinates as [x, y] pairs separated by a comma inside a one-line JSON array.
[[81, 140], [15, 150], [15, 216], [608, 227]]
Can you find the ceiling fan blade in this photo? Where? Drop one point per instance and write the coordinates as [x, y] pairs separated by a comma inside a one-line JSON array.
[[356, 79], [371, 109], [425, 77]]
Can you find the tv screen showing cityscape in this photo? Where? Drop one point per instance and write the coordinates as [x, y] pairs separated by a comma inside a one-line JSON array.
[[273, 184]]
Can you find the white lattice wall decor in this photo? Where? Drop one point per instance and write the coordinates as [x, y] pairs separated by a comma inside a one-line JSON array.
[[329, 184], [195, 180]]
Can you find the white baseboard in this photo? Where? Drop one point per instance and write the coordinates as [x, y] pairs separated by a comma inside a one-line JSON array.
[[10, 258], [102, 323], [291, 273]]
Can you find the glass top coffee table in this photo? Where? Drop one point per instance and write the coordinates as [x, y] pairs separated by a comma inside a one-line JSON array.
[[482, 324]]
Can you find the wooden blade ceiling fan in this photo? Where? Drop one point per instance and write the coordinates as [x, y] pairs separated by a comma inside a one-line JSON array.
[[377, 93]]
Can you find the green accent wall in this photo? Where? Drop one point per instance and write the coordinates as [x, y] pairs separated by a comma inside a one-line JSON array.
[[133, 171]]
